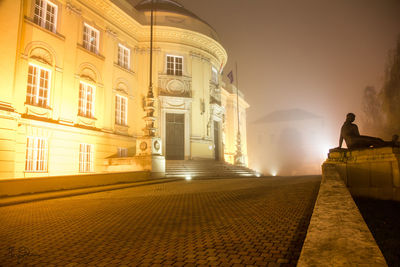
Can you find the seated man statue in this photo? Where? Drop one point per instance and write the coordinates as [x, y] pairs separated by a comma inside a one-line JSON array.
[[354, 140]]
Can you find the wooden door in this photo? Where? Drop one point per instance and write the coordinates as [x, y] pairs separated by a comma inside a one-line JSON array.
[[175, 136]]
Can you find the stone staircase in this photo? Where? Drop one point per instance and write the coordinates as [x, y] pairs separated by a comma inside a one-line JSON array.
[[205, 168]]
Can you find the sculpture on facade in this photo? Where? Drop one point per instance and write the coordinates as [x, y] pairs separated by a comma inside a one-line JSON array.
[[350, 134]]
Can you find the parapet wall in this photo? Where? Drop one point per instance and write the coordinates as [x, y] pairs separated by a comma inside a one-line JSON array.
[[337, 234], [372, 172]]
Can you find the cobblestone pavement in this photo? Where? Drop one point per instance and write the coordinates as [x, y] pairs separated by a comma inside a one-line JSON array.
[[224, 222]]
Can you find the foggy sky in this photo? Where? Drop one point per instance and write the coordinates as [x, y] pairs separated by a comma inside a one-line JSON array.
[[316, 55], [312, 55]]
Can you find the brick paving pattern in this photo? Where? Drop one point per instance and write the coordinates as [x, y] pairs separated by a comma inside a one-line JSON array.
[[216, 222]]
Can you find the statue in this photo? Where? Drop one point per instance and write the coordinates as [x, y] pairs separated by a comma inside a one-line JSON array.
[[349, 132]]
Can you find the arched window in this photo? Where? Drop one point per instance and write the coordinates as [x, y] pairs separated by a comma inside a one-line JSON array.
[[39, 81]]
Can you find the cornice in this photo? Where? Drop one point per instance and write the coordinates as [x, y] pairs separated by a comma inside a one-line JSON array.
[[191, 38], [123, 22]]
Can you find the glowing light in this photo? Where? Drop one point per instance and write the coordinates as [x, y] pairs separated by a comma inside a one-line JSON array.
[[210, 147], [273, 173], [188, 178], [258, 174]]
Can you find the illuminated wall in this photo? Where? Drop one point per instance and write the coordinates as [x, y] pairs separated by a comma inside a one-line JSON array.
[[73, 84], [229, 101]]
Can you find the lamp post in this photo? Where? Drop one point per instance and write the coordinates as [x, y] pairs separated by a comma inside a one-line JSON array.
[[238, 155], [149, 146], [150, 130]]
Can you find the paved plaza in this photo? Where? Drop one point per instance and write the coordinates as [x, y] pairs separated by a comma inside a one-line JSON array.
[[211, 222]]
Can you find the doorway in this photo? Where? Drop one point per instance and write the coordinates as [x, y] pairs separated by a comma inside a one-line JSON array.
[[216, 140], [175, 136]]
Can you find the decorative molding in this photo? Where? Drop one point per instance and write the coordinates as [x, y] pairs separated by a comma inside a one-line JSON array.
[[89, 71], [179, 86], [115, 15], [201, 140], [121, 129], [38, 111], [73, 9], [178, 103], [111, 33], [39, 49], [146, 50], [217, 112], [215, 94], [199, 56], [91, 122]]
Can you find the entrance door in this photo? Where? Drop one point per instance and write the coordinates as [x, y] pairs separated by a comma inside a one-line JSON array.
[[175, 136], [216, 140]]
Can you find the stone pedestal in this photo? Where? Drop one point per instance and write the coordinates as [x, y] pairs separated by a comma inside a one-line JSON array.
[[148, 150], [372, 172]]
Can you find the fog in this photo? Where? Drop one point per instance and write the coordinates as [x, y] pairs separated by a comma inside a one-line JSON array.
[[313, 57]]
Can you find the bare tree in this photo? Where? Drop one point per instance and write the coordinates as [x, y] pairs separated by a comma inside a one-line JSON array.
[[372, 107], [391, 91]]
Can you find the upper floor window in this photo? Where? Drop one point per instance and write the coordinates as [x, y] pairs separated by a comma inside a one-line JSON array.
[[86, 100], [214, 75], [121, 108], [86, 152], [124, 55], [38, 88], [174, 65], [91, 38], [36, 154], [45, 14]]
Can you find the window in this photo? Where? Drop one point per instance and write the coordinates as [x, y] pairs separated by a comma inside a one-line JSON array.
[[91, 38], [36, 154], [86, 100], [37, 92], [124, 54], [45, 14], [121, 107], [214, 75], [174, 65], [122, 152], [86, 158]]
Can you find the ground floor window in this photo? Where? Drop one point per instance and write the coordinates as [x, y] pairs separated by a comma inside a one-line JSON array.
[[36, 154], [86, 158], [122, 152]]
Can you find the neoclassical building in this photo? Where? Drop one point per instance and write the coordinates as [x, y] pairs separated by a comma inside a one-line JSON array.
[[74, 76]]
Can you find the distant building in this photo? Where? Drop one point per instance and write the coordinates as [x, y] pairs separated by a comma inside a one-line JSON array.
[[287, 142], [74, 75]]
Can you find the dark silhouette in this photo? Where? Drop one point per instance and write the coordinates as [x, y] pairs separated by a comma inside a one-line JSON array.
[[349, 132]]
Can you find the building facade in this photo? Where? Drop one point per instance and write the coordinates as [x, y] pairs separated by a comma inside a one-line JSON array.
[[74, 76]]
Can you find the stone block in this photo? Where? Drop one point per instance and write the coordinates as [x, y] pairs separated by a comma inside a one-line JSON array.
[[370, 172], [381, 174], [358, 175]]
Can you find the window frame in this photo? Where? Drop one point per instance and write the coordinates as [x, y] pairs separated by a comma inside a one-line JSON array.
[[214, 75], [86, 43], [37, 87], [118, 112], [37, 154], [83, 104], [122, 152], [86, 158], [174, 71], [42, 20], [121, 56]]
